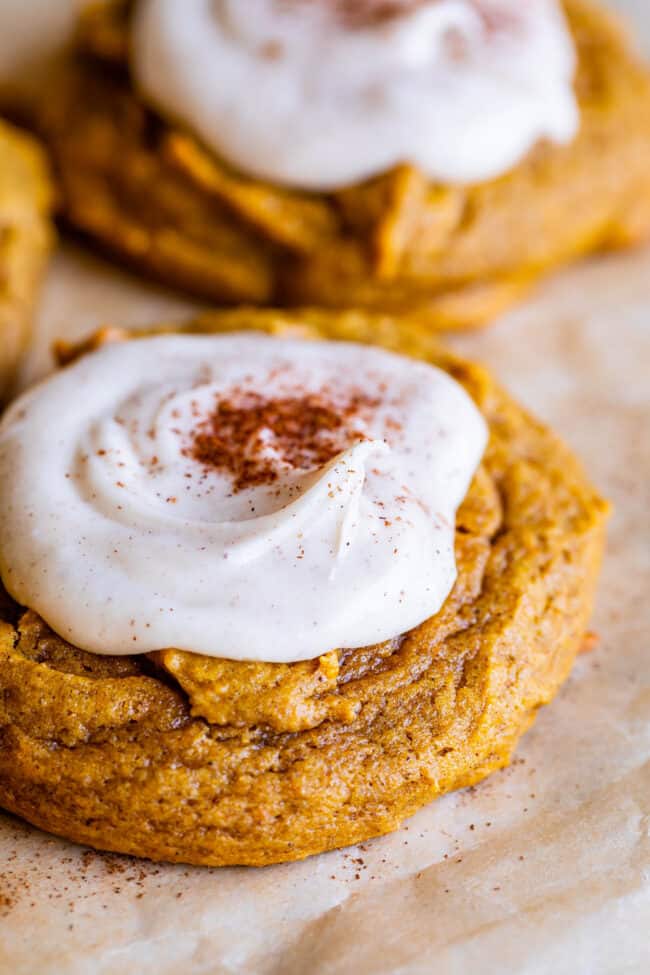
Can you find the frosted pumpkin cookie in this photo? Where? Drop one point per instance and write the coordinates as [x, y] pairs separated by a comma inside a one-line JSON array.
[[430, 155], [276, 589], [25, 240]]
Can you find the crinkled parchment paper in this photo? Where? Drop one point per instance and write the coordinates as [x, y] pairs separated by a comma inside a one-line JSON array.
[[543, 868]]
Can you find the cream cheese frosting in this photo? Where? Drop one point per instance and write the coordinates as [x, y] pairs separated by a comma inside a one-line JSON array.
[[319, 94], [238, 496]]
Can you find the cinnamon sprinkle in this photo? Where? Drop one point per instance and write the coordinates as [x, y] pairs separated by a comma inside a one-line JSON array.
[[250, 436], [374, 13], [359, 14], [363, 14]]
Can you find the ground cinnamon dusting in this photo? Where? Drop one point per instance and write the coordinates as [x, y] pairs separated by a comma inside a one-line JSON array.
[[369, 14], [373, 13], [75, 879], [251, 437]]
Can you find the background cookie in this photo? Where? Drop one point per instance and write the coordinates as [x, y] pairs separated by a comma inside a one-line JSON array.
[[25, 239], [153, 196]]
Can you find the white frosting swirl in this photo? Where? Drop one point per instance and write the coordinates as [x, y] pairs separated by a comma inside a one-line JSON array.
[[238, 496], [303, 94]]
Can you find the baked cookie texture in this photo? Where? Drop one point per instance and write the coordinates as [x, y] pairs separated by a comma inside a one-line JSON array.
[[181, 757], [25, 240], [154, 196]]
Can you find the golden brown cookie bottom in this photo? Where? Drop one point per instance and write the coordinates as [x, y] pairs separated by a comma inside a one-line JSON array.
[[25, 240], [154, 197], [178, 757]]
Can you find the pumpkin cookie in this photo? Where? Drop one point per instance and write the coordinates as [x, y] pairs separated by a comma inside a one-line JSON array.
[[25, 240], [307, 743], [144, 183]]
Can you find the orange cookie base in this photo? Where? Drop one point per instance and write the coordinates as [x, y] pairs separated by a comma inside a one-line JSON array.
[[184, 758]]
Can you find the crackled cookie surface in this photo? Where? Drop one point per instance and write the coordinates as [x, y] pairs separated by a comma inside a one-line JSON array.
[[179, 756]]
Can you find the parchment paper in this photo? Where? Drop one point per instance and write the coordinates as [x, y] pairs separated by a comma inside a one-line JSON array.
[[543, 868]]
